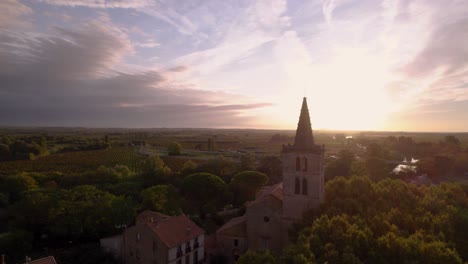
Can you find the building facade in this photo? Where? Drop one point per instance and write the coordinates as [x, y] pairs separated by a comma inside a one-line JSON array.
[[268, 218], [157, 238]]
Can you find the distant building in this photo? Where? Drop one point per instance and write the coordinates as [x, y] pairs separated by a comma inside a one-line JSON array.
[[267, 219], [158, 238]]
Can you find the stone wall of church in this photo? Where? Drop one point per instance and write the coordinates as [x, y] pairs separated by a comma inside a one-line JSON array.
[[264, 225], [303, 180]]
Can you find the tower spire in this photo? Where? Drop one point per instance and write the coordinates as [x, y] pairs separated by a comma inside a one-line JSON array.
[[304, 139]]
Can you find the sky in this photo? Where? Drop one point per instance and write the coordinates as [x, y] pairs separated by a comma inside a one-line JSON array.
[[362, 64]]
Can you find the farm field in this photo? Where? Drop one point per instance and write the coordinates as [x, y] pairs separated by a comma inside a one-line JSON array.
[[77, 162]]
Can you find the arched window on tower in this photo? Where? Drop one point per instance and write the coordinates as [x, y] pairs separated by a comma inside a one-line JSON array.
[[298, 164], [297, 187], [304, 164], [304, 187]]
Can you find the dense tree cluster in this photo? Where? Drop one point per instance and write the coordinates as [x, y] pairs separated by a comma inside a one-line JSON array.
[[68, 212], [388, 221]]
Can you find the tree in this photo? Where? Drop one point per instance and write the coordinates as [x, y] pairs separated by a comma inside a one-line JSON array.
[[247, 162], [155, 171], [16, 244], [189, 167], [340, 166], [86, 212], [161, 198], [298, 253], [14, 185], [257, 257], [174, 149], [271, 166], [221, 166], [246, 184], [205, 191]]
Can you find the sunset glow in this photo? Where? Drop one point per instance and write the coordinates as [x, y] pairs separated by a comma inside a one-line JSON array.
[[363, 65]]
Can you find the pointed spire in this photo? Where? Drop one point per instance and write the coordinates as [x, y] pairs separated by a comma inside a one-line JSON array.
[[304, 139]]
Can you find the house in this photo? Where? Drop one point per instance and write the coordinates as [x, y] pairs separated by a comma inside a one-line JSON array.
[[268, 218], [158, 238]]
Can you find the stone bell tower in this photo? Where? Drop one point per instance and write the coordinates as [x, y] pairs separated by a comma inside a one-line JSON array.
[[303, 170]]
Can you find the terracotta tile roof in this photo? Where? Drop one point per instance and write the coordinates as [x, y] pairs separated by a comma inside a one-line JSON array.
[[172, 230], [46, 260], [275, 191]]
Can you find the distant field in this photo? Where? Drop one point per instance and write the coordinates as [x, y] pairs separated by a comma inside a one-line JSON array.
[[77, 162]]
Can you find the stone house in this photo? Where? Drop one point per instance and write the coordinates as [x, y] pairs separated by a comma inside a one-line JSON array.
[[157, 238]]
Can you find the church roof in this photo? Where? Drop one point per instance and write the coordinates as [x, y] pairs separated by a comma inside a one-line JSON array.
[[304, 140], [234, 222], [275, 191]]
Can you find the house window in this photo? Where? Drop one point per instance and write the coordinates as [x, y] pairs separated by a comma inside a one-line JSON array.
[[304, 164], [298, 164], [236, 242], [297, 187], [179, 261], [195, 243], [195, 257], [187, 259], [179, 251], [304, 187], [266, 219], [265, 243]]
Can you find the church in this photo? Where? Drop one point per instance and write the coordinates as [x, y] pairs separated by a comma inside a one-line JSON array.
[[267, 219]]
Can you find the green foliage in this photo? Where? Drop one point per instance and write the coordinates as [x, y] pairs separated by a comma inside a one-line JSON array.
[[340, 166], [271, 166], [257, 257], [221, 166], [161, 198], [14, 185], [298, 253], [389, 221], [205, 191], [85, 211], [16, 244], [155, 171], [174, 149], [246, 184], [189, 167], [247, 162]]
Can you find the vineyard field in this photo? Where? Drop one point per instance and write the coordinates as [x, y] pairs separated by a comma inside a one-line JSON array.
[[176, 164], [77, 162]]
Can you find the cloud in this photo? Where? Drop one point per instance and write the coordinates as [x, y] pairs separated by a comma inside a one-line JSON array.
[[159, 9], [148, 44], [70, 78], [100, 3], [327, 8], [12, 13]]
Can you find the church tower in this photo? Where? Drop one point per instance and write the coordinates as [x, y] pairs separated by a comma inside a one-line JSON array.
[[303, 170]]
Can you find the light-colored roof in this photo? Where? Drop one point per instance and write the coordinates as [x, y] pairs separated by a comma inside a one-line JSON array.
[[233, 222], [46, 260], [172, 230]]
